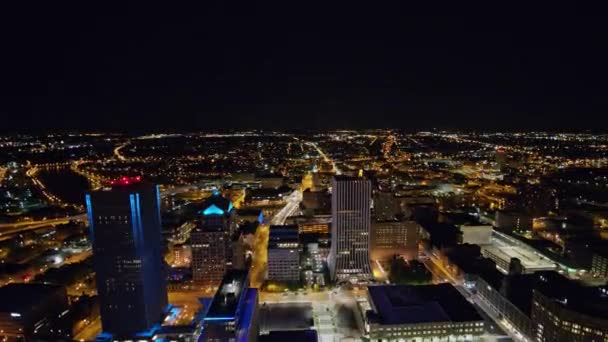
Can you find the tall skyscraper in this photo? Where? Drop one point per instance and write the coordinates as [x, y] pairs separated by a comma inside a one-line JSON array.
[[125, 230], [351, 220], [211, 240]]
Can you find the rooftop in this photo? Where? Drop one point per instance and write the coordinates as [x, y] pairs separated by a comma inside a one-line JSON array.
[[283, 234], [405, 304], [588, 300], [292, 336], [505, 250], [216, 204], [226, 300], [344, 178]]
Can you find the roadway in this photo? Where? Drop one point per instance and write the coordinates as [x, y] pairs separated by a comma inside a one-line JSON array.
[[260, 252], [117, 151], [292, 205], [325, 157], [90, 331]]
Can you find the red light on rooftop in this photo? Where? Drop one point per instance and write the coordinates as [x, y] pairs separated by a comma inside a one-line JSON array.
[[124, 180]]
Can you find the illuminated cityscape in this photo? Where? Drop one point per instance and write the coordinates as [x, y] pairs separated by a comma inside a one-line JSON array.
[[223, 172], [441, 216]]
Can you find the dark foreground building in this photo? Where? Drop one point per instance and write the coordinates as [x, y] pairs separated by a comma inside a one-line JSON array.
[[126, 233], [34, 312], [233, 313]]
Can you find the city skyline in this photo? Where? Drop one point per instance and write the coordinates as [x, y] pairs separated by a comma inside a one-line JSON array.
[[320, 235]]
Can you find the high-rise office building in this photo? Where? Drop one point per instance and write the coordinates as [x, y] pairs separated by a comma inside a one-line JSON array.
[[351, 220], [125, 228], [211, 240], [284, 253]]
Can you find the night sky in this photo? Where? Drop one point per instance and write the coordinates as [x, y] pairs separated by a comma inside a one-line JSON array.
[[303, 65]]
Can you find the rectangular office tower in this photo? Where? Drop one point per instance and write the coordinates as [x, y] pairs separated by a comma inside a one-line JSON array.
[[284, 253], [351, 220], [211, 241], [125, 230]]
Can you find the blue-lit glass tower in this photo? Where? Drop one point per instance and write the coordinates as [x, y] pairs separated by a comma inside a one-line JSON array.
[[125, 230]]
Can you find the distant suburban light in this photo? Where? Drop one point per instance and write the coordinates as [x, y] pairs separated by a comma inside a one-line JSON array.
[[15, 314]]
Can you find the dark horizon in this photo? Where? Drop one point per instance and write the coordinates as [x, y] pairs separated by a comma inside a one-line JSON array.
[[216, 66]]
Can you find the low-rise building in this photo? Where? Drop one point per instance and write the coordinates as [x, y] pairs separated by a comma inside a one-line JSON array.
[[394, 237], [476, 234], [427, 312]]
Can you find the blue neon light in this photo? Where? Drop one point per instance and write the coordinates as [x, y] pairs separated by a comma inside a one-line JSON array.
[[135, 222], [158, 202], [213, 210], [149, 332], [87, 199], [139, 224], [219, 319]]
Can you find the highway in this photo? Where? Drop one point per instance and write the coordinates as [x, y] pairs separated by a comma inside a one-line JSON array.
[[90, 331], [291, 207], [117, 151]]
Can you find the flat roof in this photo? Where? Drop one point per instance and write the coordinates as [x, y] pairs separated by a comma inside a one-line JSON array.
[[529, 259], [283, 233], [292, 336], [407, 304], [226, 300]]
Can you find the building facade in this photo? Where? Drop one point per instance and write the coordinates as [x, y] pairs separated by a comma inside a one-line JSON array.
[[125, 229], [599, 265], [556, 322], [284, 254], [351, 221], [389, 238], [211, 241]]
